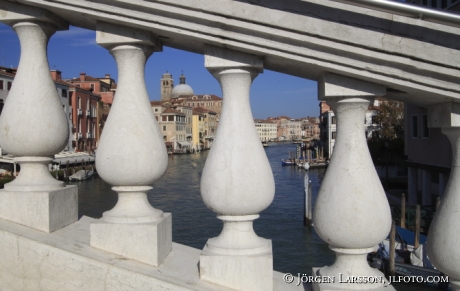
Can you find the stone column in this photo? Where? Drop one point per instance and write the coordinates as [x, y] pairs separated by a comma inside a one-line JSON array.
[[33, 128], [413, 186], [352, 213], [237, 181], [131, 155], [444, 233]]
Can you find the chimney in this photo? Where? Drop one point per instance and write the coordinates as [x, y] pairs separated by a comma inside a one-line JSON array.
[[107, 76], [56, 75], [82, 76]]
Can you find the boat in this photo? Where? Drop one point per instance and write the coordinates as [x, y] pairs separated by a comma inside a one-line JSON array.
[[81, 175], [288, 162], [409, 261], [313, 163], [265, 144]]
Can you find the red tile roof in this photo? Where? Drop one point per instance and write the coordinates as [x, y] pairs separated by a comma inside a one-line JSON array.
[[170, 110]]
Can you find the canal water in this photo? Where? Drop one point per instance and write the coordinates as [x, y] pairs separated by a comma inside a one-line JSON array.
[[296, 248]]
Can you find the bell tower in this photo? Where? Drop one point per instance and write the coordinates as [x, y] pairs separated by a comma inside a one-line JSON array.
[[167, 85]]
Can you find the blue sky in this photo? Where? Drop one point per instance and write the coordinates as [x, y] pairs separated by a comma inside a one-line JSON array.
[[75, 51]]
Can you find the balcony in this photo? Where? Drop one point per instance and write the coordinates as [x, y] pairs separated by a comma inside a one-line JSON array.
[[131, 245]]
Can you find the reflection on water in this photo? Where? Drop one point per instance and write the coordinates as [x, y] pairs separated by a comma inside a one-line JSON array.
[[296, 248]]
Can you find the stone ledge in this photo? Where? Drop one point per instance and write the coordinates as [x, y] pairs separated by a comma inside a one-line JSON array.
[[64, 260]]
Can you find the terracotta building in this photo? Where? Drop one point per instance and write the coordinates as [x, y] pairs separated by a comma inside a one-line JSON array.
[[104, 86], [84, 118]]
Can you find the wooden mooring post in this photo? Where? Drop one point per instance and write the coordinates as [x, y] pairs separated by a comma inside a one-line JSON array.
[[403, 210], [417, 227], [307, 218], [392, 266]]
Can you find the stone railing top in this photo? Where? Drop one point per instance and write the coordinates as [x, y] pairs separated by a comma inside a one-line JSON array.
[[414, 59]]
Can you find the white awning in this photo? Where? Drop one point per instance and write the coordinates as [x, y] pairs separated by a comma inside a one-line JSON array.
[[185, 143]]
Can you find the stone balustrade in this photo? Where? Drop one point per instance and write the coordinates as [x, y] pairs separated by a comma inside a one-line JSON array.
[[132, 244]]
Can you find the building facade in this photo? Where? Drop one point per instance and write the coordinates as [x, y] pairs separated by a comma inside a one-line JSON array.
[[84, 118], [266, 129], [198, 130], [104, 86]]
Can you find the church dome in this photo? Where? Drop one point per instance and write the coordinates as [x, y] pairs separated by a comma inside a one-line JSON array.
[[182, 88]]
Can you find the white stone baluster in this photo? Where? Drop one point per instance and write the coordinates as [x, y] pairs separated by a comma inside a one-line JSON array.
[[33, 128], [237, 181], [351, 213], [131, 155], [444, 233]]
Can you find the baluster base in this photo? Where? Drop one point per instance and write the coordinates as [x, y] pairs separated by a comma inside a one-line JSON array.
[[241, 272], [34, 176], [362, 276], [149, 243], [46, 211]]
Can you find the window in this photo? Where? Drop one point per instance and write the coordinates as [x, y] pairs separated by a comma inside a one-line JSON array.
[[164, 127], [64, 93], [334, 121], [9, 84], [374, 119], [92, 86], [156, 109], [414, 126], [334, 134], [1, 84], [425, 129]]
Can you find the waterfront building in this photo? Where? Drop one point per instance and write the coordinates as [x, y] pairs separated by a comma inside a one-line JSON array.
[[266, 129], [84, 118], [428, 150], [282, 130], [172, 125], [104, 86], [355, 54], [198, 129], [310, 128], [210, 123], [209, 102], [175, 121]]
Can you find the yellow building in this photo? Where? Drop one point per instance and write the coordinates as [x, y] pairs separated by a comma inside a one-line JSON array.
[[209, 125], [197, 130]]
